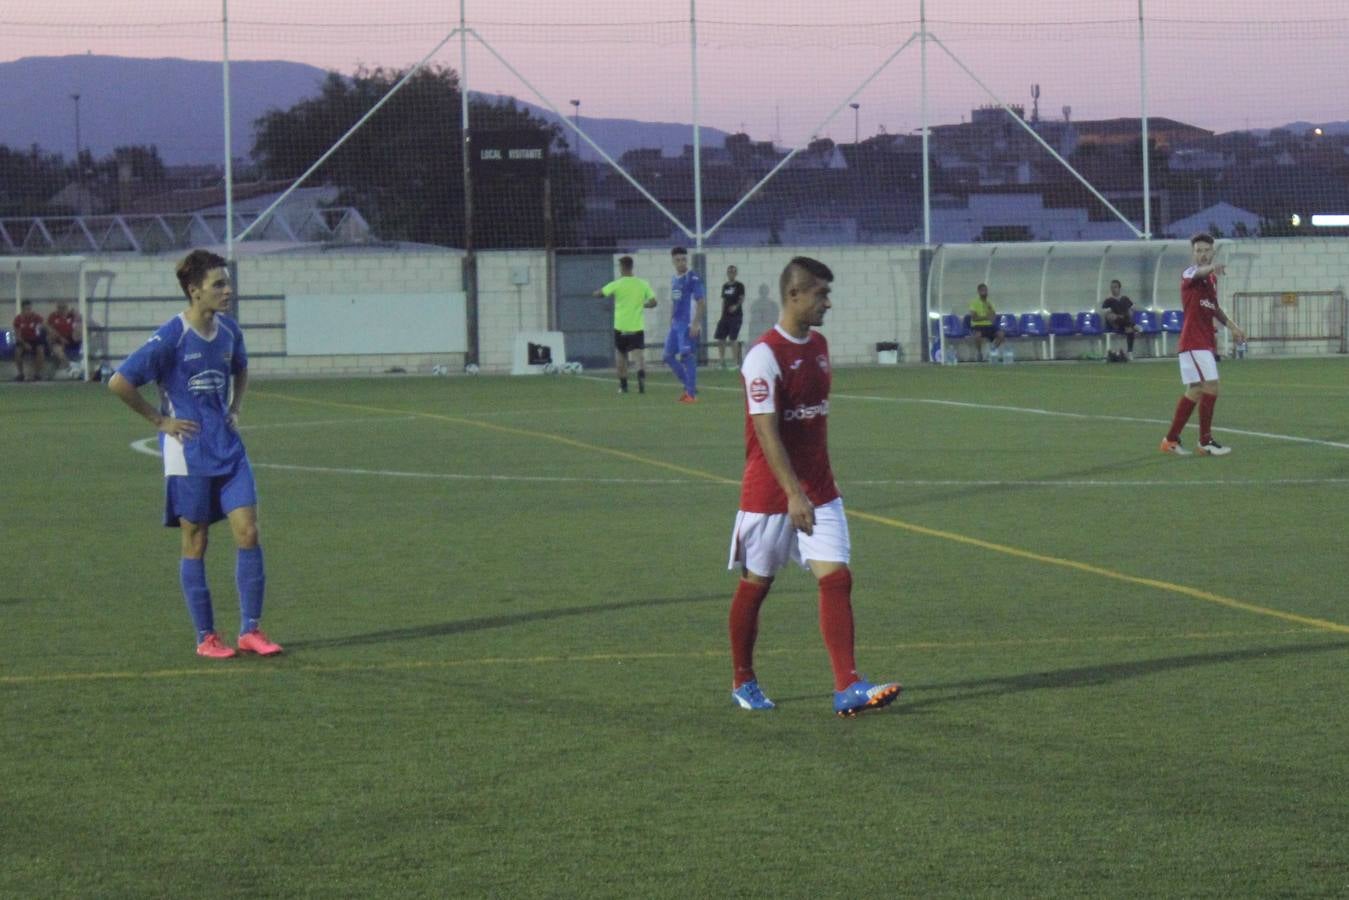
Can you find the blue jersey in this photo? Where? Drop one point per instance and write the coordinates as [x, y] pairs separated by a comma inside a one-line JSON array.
[[193, 374], [685, 290]]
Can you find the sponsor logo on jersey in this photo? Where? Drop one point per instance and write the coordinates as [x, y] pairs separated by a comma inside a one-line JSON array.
[[188, 356], [758, 390], [208, 382], [804, 413], [796, 364]]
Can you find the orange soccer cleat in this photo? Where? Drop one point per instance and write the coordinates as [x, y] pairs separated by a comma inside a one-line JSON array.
[[687, 398], [212, 647], [256, 642]]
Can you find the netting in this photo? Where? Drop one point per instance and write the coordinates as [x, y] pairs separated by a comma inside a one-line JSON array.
[[1035, 122]]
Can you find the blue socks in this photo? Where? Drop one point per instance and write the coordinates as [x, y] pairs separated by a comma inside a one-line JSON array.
[[192, 576], [252, 582]]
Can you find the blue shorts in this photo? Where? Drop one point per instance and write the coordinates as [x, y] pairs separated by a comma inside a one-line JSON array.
[[206, 499], [678, 343]]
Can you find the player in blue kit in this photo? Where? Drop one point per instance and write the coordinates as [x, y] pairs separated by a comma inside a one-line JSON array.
[[688, 296], [198, 361]]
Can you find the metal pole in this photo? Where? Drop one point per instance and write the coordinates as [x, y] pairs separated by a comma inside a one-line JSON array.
[[262, 216], [855, 127], [782, 163], [229, 152], [76, 98], [927, 176], [470, 260], [1041, 141], [697, 132], [1143, 105], [599, 151]]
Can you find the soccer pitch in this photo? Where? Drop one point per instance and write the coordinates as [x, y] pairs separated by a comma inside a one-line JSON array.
[[504, 600]]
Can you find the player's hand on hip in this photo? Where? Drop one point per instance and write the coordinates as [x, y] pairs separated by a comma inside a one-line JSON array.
[[178, 428], [802, 513]]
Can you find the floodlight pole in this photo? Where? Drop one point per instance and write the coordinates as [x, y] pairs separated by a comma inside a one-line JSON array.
[[927, 176], [697, 132], [1143, 105], [470, 260], [229, 154]]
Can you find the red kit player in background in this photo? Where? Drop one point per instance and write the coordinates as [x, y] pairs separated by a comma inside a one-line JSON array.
[[1198, 342], [790, 508]]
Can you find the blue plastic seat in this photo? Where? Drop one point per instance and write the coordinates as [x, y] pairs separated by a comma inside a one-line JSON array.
[[7, 344], [1006, 323], [1146, 320], [1089, 324], [1032, 325], [1062, 324], [1172, 320], [954, 327]]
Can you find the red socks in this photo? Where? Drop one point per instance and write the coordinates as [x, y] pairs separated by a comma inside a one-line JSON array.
[[836, 625], [744, 627], [1184, 407], [1206, 403]]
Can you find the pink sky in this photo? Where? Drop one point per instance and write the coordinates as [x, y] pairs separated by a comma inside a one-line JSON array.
[[774, 67]]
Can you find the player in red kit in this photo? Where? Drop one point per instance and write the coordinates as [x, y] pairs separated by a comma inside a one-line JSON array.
[[1198, 365], [31, 336], [790, 508], [63, 333]]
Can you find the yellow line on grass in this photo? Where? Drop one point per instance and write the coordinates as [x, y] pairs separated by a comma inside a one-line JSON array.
[[247, 667], [1195, 593], [1183, 590], [509, 429]]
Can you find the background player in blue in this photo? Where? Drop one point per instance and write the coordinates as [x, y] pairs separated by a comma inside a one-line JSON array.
[[687, 297], [194, 359]]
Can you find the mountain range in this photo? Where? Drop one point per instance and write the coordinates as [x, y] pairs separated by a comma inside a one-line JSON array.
[[175, 104]]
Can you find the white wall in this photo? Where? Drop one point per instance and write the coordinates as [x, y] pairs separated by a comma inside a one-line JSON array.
[[876, 296]]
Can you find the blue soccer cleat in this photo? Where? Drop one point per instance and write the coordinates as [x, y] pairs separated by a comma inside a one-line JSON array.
[[862, 695], [749, 696]]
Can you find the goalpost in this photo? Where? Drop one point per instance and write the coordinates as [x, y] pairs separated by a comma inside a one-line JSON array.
[[44, 280]]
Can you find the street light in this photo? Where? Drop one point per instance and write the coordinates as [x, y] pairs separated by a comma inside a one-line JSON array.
[[76, 98], [855, 132], [576, 120]]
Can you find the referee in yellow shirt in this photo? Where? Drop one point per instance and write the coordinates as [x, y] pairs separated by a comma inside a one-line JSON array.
[[632, 296]]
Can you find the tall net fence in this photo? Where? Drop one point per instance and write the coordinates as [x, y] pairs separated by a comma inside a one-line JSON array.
[[346, 123]]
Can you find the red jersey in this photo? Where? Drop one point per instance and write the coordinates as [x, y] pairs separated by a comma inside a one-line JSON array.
[[1199, 299], [66, 324], [791, 378], [28, 326]]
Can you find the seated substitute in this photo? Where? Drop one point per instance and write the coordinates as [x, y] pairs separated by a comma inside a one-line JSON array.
[[63, 336], [1118, 316], [30, 335], [983, 323]]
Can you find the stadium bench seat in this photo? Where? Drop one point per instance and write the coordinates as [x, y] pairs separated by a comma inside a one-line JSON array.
[[1061, 324], [1089, 325], [1171, 323], [1032, 326]]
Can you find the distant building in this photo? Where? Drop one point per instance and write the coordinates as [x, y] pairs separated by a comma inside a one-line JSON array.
[[1220, 220]]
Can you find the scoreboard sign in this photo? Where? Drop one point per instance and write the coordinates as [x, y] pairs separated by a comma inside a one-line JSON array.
[[511, 152]]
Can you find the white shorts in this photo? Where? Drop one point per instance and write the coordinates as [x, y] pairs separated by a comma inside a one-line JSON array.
[[1197, 366], [765, 542]]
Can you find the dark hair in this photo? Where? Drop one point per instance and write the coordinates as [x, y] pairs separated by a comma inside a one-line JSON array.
[[981, 285], [192, 269], [1115, 281], [813, 267], [680, 250], [1202, 237], [23, 303], [625, 262]]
